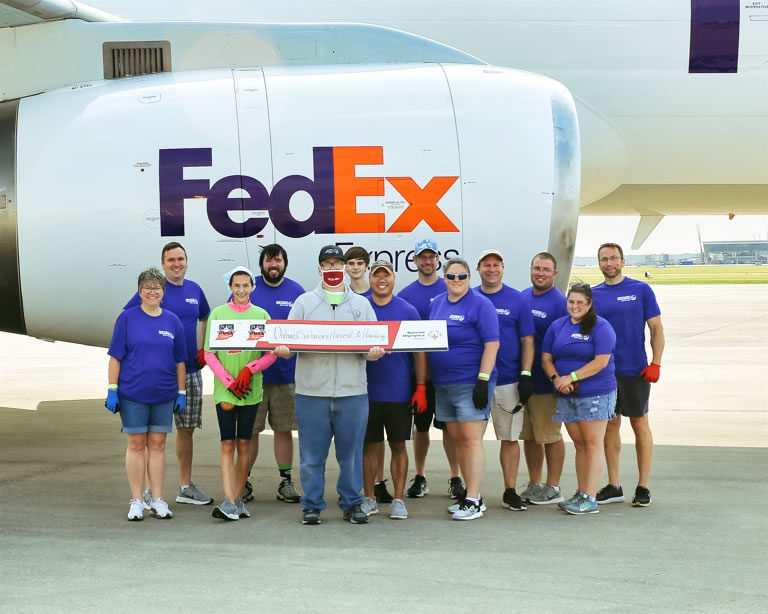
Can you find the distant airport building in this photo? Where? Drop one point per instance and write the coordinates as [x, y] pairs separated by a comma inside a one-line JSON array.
[[736, 252]]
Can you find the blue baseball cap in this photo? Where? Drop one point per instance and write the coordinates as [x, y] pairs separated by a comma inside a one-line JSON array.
[[425, 244]]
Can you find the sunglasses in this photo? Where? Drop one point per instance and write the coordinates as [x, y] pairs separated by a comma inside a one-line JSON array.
[[454, 276]]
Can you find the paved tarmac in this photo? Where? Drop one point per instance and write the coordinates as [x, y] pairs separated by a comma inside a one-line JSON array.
[[65, 544]]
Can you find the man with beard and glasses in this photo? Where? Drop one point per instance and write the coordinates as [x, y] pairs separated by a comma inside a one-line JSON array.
[[275, 293]]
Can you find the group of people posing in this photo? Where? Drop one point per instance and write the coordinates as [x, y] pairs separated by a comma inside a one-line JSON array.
[[528, 361]]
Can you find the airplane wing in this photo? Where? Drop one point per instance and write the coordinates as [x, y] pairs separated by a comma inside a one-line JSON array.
[[25, 12]]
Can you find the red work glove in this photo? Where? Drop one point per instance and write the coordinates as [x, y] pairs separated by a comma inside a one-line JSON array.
[[236, 389], [651, 373], [244, 380], [419, 399], [200, 358]]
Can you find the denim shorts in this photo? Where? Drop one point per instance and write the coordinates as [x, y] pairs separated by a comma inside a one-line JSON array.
[[579, 409], [453, 403], [143, 417]]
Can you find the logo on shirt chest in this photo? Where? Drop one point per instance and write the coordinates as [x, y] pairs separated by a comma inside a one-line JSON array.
[[456, 317], [539, 314], [627, 298], [166, 333], [579, 336], [284, 303], [191, 301], [503, 312]]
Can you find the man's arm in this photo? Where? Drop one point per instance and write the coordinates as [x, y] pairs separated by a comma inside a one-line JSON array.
[[657, 338], [526, 353]]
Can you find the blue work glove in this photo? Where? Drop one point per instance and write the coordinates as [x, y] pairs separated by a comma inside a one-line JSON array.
[[113, 401], [181, 403]]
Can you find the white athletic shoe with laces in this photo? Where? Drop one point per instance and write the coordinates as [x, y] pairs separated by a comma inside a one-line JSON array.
[[160, 509], [136, 511]]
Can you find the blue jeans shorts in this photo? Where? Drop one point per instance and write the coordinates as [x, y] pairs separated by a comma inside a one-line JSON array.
[[146, 417], [579, 409], [453, 403]]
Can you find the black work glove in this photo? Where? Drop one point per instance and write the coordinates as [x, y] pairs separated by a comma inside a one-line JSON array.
[[480, 394], [525, 388]]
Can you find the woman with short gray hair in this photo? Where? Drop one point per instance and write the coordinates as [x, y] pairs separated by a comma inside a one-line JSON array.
[[147, 375]]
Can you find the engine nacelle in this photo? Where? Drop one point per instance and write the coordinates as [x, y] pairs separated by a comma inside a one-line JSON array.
[[225, 161]]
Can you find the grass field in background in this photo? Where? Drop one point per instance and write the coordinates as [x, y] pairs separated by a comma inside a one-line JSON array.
[[681, 275]]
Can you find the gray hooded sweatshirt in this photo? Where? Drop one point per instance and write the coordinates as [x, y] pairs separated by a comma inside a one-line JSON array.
[[331, 374]]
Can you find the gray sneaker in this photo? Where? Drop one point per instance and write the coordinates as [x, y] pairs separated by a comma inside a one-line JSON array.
[[146, 500], [370, 506], [287, 492], [582, 504], [452, 509], [226, 511], [397, 510], [242, 511], [573, 499], [545, 495], [530, 489], [193, 495]]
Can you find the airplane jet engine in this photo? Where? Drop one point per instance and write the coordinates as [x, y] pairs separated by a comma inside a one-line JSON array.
[[95, 178]]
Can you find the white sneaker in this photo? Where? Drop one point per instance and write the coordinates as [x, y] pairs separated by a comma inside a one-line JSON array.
[[160, 509], [468, 511], [146, 500], [370, 506], [452, 509], [136, 511]]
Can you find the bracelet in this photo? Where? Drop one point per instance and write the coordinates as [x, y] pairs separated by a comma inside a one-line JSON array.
[[112, 387], [554, 377], [528, 373], [184, 392], [574, 377], [483, 376]]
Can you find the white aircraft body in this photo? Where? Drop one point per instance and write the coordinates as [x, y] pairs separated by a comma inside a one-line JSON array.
[[230, 149]]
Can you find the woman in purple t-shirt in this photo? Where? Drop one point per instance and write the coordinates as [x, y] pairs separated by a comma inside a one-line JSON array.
[[147, 377], [577, 355]]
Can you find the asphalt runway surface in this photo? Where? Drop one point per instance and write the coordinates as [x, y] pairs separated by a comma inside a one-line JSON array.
[[65, 544]]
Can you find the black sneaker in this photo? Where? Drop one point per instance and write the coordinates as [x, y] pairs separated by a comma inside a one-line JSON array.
[[248, 490], [311, 516], [511, 500], [642, 497], [456, 489], [610, 494], [355, 514], [419, 487], [381, 494]]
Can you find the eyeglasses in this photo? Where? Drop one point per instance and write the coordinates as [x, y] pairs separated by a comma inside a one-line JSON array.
[[430, 257], [611, 259], [454, 276], [153, 290], [335, 266], [538, 269]]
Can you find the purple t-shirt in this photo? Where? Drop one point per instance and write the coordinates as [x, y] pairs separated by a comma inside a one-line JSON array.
[[148, 349], [627, 305], [389, 378], [188, 302], [421, 296], [277, 302], [571, 350], [367, 294], [472, 322], [514, 322], [545, 309]]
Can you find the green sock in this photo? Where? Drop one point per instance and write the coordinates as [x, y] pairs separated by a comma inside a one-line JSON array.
[[285, 470]]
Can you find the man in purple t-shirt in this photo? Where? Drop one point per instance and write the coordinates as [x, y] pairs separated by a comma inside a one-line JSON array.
[[514, 362], [541, 435], [275, 293], [629, 306], [187, 300], [389, 396], [420, 294]]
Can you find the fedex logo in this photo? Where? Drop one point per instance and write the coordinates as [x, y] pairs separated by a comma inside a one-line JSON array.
[[333, 190]]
